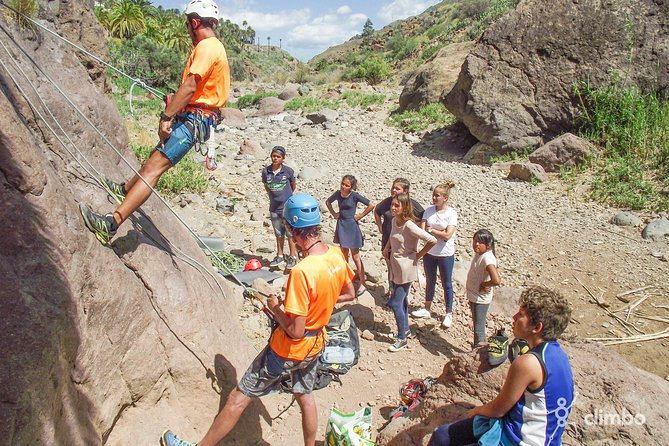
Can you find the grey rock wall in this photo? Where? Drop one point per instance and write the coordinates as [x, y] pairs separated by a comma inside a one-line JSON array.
[[98, 344]]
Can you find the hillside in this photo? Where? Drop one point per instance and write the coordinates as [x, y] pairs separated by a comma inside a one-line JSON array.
[[406, 44]]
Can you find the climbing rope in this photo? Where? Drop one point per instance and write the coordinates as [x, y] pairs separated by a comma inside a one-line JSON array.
[[97, 175]]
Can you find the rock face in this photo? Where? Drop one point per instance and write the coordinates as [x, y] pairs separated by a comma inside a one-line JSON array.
[[100, 345], [515, 87], [605, 387], [431, 80]]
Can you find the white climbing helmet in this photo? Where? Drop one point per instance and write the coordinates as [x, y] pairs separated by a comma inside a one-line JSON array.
[[205, 9]]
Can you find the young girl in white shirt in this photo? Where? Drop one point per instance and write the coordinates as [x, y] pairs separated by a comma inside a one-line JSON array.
[[481, 278], [440, 220]]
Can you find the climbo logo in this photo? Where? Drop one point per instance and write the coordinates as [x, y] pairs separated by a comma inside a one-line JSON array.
[[605, 418]]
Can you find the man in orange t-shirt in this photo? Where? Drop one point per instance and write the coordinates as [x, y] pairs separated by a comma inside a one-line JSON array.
[[320, 280], [204, 90]]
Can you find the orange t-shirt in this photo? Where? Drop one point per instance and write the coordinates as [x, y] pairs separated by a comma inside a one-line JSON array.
[[209, 62], [313, 287]]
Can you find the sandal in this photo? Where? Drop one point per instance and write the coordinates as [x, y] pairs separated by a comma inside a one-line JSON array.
[[360, 292]]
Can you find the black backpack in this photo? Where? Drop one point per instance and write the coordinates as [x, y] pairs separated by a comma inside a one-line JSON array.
[[340, 354]]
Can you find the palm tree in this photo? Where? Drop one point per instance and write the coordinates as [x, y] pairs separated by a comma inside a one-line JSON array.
[[126, 19], [176, 36], [157, 25]]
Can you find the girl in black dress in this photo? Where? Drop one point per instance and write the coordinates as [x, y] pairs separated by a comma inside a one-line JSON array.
[[347, 232]]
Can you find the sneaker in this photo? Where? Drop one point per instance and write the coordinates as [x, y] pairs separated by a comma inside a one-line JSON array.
[[498, 348], [518, 347], [99, 225], [420, 313], [169, 439], [398, 345], [276, 261], [291, 262], [115, 189], [448, 321]]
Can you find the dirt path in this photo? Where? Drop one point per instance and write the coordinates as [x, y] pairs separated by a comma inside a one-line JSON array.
[[544, 237]]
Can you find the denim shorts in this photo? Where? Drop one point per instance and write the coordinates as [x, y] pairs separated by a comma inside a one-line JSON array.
[[180, 141], [278, 224], [265, 374]]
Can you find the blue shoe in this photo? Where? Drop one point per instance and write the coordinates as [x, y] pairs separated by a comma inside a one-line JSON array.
[[169, 439]]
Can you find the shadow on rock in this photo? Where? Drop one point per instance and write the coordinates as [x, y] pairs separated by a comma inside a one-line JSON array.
[[248, 430]]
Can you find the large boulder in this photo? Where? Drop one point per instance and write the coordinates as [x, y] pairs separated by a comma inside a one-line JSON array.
[[99, 344], [270, 106], [515, 87], [607, 389], [432, 79]]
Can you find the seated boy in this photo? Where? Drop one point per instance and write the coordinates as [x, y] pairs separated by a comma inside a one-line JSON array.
[[536, 398]]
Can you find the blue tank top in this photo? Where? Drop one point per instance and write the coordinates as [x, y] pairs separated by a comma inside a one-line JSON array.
[[539, 417]]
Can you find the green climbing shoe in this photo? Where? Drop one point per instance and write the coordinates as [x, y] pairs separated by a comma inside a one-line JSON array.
[[99, 225], [115, 189]]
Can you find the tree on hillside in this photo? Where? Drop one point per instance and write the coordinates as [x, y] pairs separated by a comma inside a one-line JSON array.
[[176, 36], [368, 28], [126, 19]]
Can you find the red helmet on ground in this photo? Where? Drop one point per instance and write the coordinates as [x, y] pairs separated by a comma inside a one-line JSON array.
[[252, 265]]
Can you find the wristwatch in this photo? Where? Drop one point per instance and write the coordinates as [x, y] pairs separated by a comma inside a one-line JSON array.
[[165, 117]]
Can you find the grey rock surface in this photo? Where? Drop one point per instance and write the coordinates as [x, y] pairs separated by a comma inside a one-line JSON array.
[[566, 150], [430, 80], [527, 172], [656, 230], [626, 219]]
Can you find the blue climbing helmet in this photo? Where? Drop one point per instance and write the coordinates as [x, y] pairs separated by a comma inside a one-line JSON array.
[[301, 211]]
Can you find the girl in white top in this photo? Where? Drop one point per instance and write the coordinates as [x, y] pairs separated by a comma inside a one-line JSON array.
[[402, 254], [481, 278], [440, 220]]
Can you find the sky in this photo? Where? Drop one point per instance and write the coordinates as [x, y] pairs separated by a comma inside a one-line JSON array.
[[307, 28]]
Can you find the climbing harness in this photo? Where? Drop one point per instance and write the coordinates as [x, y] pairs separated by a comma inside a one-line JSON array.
[[412, 394]]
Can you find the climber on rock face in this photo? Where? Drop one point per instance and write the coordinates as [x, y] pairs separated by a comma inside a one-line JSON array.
[[187, 119], [320, 280]]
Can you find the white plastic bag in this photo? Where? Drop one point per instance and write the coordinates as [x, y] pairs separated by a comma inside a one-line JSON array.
[[349, 429]]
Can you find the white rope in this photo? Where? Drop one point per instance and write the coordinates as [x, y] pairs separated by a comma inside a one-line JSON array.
[[97, 176]]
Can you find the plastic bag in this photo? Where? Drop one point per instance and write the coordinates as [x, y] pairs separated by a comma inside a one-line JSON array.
[[349, 429]]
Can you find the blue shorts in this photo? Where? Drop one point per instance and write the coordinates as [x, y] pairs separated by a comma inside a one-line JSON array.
[[180, 141], [278, 224]]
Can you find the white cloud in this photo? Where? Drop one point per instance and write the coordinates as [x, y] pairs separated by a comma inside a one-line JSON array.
[[265, 22], [326, 30], [344, 10], [401, 9]]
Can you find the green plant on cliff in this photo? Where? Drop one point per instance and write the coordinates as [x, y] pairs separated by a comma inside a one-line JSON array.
[[27, 8], [632, 127]]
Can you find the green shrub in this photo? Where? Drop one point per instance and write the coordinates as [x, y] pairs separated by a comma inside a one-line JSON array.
[[140, 57], [310, 104], [633, 129], [373, 70], [186, 176], [417, 121], [302, 74], [472, 9], [359, 99], [400, 47], [249, 100]]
